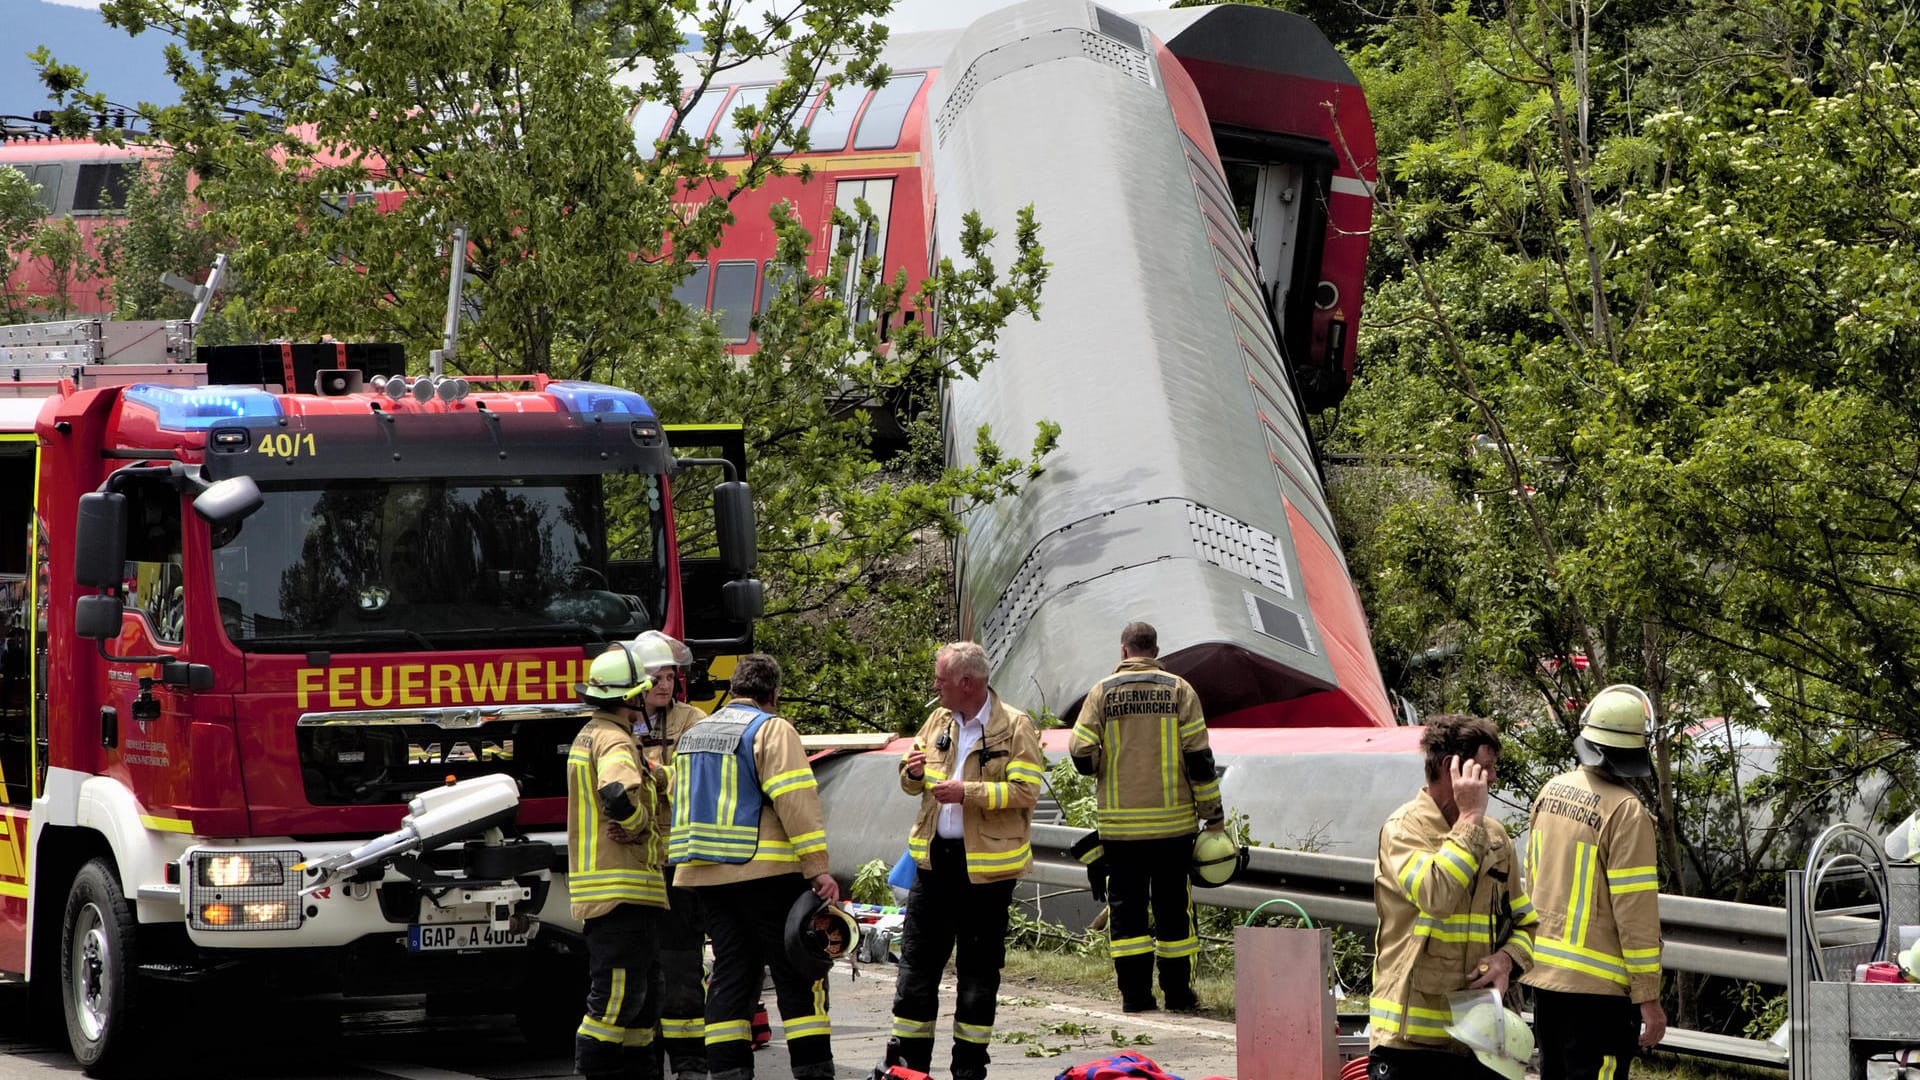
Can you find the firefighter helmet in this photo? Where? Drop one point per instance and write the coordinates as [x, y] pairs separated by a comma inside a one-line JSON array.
[[615, 678], [1496, 1035], [656, 650], [818, 933], [1216, 859], [1613, 731]]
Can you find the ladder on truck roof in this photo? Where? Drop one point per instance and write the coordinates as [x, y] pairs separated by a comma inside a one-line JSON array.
[[35, 357]]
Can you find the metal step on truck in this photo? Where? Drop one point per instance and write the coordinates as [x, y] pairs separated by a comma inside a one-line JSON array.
[[291, 639]]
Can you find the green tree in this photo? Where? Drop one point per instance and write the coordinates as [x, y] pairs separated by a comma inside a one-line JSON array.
[[20, 214], [161, 234], [60, 248]]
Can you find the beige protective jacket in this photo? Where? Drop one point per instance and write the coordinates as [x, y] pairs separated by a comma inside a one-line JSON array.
[[603, 873], [1001, 783], [793, 830], [680, 717], [1140, 733], [1443, 893], [1596, 877]]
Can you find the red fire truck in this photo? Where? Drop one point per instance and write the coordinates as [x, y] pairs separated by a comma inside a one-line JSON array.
[[261, 600]]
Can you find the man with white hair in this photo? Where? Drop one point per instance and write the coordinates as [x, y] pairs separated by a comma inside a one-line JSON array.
[[976, 767]]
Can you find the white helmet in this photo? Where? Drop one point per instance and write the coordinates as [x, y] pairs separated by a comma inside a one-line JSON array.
[[655, 650], [1496, 1035]]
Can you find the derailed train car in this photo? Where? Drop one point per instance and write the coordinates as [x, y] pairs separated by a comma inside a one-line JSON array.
[[1203, 183], [1202, 180]]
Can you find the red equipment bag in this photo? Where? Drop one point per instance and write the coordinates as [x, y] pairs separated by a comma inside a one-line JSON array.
[[897, 1072], [1118, 1067]]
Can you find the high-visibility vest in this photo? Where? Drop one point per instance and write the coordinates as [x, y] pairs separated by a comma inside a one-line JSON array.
[[716, 789]]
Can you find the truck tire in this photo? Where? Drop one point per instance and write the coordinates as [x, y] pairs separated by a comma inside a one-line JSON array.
[[97, 970]]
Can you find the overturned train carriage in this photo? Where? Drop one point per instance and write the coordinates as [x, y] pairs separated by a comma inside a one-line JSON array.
[[1201, 179]]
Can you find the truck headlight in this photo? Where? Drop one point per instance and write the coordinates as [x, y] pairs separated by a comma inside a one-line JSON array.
[[244, 890], [240, 868]]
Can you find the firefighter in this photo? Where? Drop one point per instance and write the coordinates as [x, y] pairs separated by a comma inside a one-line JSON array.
[[680, 977], [1453, 909], [616, 885], [1148, 797], [748, 838], [1590, 856], [976, 769]]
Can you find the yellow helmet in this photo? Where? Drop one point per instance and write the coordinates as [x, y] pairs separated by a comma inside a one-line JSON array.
[[615, 678], [1613, 731], [1216, 859]]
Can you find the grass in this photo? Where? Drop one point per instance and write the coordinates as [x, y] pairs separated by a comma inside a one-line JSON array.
[[1092, 976]]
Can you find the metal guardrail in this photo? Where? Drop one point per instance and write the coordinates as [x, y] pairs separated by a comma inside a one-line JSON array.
[[1707, 937]]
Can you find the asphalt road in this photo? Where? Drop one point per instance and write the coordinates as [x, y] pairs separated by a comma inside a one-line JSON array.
[[398, 1039]]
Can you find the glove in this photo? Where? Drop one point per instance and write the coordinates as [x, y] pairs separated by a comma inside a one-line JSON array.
[[1097, 881], [614, 801], [1088, 850]]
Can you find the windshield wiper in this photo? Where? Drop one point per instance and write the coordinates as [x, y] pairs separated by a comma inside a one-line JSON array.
[[337, 642], [565, 626]]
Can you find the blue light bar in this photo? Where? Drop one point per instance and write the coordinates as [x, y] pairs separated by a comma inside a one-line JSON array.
[[199, 408], [587, 397]]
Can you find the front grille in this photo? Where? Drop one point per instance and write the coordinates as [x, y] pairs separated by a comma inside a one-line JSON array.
[[379, 758]]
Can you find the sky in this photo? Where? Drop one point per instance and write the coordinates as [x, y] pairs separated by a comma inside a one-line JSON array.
[[131, 70]]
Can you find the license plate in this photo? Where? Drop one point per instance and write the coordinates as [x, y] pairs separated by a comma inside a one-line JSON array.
[[446, 937]]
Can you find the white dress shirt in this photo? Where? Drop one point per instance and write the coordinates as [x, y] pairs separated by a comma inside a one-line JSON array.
[[972, 730]]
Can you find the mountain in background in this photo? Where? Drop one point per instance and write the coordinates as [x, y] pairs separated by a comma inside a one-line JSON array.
[[128, 69]]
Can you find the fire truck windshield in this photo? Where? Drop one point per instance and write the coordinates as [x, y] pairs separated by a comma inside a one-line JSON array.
[[439, 564]]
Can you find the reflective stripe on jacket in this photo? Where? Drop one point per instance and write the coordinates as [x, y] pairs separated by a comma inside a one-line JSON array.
[[792, 834], [1595, 874], [603, 873], [1440, 891], [1141, 731], [1001, 783], [716, 788]]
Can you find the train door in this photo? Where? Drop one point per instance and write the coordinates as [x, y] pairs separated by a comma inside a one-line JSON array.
[[19, 625], [1279, 185]]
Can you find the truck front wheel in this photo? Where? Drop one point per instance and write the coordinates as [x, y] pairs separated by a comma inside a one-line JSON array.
[[97, 969]]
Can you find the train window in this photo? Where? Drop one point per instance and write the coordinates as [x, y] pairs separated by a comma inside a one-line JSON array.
[[649, 123], [47, 177], [154, 564], [733, 298], [692, 290], [834, 122], [729, 140], [772, 281], [103, 186], [1244, 180], [880, 127], [872, 240], [785, 146], [701, 111]]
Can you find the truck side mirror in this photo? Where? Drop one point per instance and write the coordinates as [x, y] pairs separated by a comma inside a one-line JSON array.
[[743, 601], [100, 542], [97, 617], [733, 519], [228, 501]]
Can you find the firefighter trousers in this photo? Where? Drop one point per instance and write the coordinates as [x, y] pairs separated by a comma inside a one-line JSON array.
[[1585, 1036], [615, 1037], [746, 921], [944, 908], [683, 984], [1152, 916]]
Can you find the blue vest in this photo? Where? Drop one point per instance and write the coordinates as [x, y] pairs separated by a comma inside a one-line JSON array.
[[716, 789]]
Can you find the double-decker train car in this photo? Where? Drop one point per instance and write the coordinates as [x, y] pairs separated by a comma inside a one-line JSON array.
[[1202, 179], [77, 178]]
